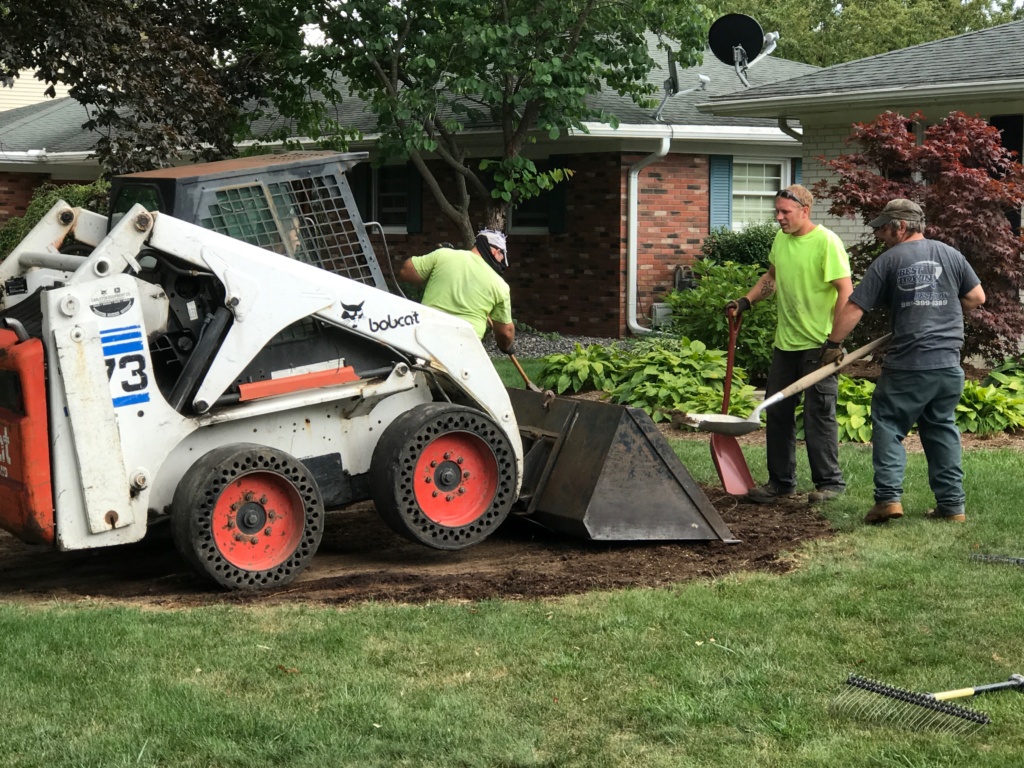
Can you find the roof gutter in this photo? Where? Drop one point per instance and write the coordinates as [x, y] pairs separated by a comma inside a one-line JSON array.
[[683, 132], [632, 227], [42, 157], [829, 100]]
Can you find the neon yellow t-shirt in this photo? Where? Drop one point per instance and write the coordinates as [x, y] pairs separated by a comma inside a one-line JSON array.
[[805, 267], [462, 284]]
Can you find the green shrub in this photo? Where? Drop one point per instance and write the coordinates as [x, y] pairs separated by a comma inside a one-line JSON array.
[[853, 411], [583, 369], [748, 246], [984, 409], [91, 196], [1009, 375], [658, 375], [699, 314]]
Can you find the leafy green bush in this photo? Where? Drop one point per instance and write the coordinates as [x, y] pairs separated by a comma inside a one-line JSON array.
[[853, 411], [589, 368], [986, 409], [994, 406], [748, 246], [658, 375], [1008, 375], [698, 314], [92, 196]]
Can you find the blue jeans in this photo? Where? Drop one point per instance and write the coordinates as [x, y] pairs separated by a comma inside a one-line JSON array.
[[820, 429], [928, 398]]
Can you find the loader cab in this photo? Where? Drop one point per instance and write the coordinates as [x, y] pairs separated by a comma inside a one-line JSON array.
[[151, 196], [296, 204]]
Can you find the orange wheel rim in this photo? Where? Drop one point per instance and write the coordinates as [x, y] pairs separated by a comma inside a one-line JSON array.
[[455, 479], [258, 521]]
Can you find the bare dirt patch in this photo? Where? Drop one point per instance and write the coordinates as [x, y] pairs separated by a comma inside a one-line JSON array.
[[361, 559]]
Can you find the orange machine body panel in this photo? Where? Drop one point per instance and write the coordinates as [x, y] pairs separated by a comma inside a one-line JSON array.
[[26, 491]]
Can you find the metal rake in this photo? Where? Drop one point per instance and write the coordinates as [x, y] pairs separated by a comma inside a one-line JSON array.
[[1009, 560], [878, 702]]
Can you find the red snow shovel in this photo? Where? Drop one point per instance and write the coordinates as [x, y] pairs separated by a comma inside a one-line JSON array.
[[725, 449]]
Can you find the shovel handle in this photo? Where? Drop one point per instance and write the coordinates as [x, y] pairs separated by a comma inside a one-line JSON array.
[[823, 373], [734, 329], [533, 387]]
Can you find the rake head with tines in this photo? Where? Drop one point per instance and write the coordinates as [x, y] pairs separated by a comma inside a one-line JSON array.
[[871, 700]]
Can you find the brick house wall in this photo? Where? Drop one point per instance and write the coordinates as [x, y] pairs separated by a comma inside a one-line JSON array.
[[16, 191], [576, 282], [573, 282]]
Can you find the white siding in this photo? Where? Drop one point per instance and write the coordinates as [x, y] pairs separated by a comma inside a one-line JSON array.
[[27, 90], [828, 140]]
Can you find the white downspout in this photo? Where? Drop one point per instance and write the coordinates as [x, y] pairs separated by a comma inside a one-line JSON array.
[[632, 225]]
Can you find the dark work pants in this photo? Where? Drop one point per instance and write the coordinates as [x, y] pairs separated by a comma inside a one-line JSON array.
[[820, 429], [928, 398]]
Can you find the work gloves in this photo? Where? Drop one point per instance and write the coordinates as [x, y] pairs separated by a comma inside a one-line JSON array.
[[737, 306], [511, 351], [831, 352]]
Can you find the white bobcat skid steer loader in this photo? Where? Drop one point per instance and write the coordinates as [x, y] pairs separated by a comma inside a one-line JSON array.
[[243, 380], [176, 370]]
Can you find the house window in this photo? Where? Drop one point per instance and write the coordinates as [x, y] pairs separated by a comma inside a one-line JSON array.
[[754, 184], [530, 216], [389, 195], [391, 201], [545, 213], [742, 189]]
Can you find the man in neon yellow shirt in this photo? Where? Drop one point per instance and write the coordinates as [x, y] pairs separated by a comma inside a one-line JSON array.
[[809, 274], [468, 284]]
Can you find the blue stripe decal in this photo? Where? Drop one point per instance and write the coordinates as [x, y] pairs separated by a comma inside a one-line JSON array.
[[119, 337], [120, 349], [142, 397], [122, 329]]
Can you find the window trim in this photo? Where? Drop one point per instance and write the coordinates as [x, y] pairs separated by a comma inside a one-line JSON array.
[[785, 179]]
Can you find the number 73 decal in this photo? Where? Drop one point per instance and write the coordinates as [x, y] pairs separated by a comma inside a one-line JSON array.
[[126, 365]]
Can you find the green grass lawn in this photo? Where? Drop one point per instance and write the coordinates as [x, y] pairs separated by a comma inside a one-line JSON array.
[[736, 671]]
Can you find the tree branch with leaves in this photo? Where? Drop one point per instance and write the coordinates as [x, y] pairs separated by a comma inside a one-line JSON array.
[[438, 72], [967, 183]]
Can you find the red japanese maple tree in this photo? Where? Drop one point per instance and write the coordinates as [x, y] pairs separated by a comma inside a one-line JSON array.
[[967, 183]]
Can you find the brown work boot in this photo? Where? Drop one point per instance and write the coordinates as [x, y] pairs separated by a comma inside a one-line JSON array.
[[934, 514], [883, 512]]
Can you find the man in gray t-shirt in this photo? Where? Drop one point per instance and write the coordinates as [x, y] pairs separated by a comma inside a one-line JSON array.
[[926, 286]]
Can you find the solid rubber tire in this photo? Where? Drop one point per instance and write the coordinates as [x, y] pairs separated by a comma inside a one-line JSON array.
[[204, 531], [402, 492]]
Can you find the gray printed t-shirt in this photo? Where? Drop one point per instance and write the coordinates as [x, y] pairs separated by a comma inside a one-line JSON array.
[[921, 283]]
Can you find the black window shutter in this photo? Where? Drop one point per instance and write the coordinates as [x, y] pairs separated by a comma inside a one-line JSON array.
[[414, 201], [557, 200]]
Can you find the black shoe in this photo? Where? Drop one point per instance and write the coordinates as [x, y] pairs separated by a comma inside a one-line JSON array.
[[766, 494]]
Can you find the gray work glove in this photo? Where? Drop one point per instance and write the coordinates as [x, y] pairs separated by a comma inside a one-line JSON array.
[[737, 306], [511, 349], [831, 352]]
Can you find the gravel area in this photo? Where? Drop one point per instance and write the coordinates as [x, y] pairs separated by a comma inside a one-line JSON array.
[[532, 345]]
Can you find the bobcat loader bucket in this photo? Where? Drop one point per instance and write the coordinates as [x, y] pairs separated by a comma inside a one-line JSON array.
[[605, 472]]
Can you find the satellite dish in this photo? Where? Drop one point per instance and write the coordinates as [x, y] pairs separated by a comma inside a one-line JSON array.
[[738, 40], [672, 84]]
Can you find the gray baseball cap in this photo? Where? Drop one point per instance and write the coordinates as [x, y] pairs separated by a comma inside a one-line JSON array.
[[897, 210]]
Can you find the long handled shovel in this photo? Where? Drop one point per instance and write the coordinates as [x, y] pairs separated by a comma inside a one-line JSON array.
[[726, 453], [726, 424]]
